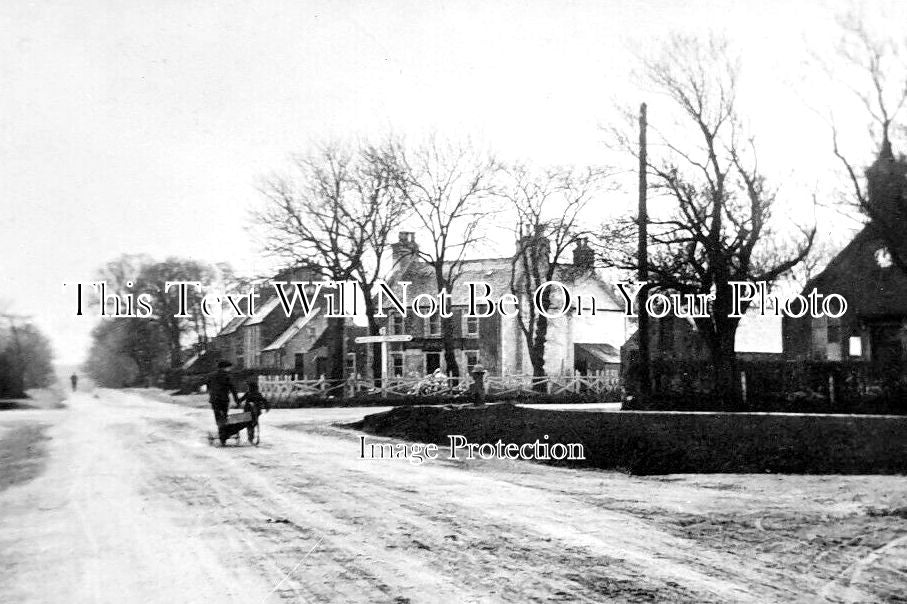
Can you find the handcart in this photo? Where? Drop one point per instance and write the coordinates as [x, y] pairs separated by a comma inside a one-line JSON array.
[[235, 423]]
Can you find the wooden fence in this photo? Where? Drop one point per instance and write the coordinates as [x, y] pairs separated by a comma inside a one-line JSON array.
[[286, 388]]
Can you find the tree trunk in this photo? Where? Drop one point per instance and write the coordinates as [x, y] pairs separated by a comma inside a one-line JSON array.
[[173, 333], [724, 357], [537, 352], [374, 329], [336, 353], [448, 333], [724, 371]]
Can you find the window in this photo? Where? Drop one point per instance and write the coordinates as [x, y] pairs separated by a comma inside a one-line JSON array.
[[433, 326], [855, 345], [834, 339], [350, 365], [471, 324], [472, 359], [396, 364], [396, 324]]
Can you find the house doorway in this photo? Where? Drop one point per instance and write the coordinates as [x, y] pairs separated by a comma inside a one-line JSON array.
[[432, 362]]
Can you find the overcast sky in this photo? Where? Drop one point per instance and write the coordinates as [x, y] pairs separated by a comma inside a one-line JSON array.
[[143, 127]]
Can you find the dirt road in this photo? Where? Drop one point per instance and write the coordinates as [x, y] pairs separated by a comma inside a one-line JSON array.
[[123, 500]]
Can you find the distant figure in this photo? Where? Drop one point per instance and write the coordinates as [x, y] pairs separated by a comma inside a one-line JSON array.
[[219, 390], [75, 381], [253, 402]]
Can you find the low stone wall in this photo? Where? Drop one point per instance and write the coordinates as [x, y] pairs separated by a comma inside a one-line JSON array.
[[668, 442]]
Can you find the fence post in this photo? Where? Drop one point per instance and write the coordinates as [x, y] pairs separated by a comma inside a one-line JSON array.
[[743, 386], [831, 389]]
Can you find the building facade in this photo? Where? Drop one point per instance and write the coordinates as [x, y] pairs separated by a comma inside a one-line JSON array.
[[874, 327], [576, 341]]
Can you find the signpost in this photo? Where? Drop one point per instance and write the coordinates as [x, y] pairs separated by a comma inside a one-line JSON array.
[[383, 340]]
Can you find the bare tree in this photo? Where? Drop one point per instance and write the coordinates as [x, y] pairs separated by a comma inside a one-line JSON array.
[[719, 227], [549, 205], [153, 280], [25, 355], [822, 253], [874, 70], [449, 189], [335, 215], [137, 274]]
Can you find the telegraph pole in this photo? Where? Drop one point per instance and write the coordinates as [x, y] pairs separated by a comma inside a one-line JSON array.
[[642, 260]]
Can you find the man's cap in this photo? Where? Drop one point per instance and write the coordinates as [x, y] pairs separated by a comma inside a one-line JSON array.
[[222, 364]]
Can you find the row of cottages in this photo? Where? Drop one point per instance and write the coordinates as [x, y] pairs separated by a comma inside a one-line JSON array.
[[576, 341], [874, 328], [269, 340]]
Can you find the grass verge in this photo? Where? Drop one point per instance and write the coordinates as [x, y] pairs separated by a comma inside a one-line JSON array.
[[23, 453]]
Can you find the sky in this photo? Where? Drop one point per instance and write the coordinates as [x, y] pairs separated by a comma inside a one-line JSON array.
[[131, 127]]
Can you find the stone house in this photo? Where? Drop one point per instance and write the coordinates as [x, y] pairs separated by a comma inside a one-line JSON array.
[[304, 348], [576, 341], [248, 342], [229, 342]]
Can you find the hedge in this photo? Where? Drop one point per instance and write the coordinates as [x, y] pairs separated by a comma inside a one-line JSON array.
[[671, 442]]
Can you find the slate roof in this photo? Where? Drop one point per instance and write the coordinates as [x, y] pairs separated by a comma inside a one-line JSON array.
[[871, 290], [263, 311], [291, 331], [603, 352], [234, 324]]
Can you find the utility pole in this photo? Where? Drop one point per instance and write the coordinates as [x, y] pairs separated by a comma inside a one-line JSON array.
[[645, 383]]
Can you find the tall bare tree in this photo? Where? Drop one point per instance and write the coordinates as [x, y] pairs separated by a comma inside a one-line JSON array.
[[718, 228], [549, 206], [335, 214], [449, 190]]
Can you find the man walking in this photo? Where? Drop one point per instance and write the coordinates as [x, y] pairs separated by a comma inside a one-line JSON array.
[[220, 388], [74, 379]]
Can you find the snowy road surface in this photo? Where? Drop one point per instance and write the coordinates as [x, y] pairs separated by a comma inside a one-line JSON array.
[[132, 505]]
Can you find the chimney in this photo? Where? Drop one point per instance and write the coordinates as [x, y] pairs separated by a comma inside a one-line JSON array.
[[404, 248], [583, 256], [537, 240], [535, 248]]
